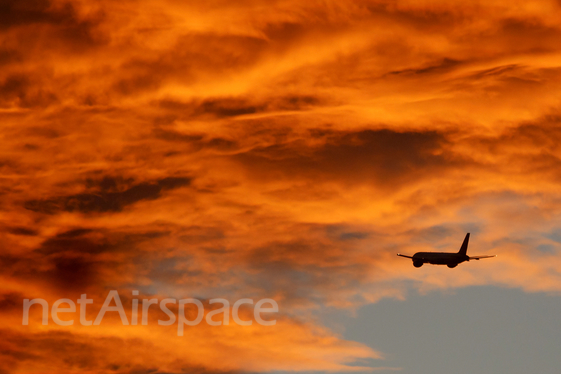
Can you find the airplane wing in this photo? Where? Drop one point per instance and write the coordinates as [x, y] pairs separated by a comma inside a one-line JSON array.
[[399, 254], [478, 257]]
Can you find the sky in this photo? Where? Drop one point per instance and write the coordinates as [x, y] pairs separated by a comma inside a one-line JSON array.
[[285, 150]]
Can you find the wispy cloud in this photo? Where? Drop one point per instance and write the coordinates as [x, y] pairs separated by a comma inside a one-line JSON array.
[[279, 149]]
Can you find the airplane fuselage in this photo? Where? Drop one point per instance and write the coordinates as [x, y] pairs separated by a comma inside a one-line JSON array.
[[439, 258]]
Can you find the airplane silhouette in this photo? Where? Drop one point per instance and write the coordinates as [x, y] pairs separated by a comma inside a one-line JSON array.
[[449, 259]]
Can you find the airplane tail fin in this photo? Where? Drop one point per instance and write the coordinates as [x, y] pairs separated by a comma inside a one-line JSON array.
[[464, 248]]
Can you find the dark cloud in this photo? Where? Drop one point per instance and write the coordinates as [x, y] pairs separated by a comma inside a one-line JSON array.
[[18, 90], [428, 20], [195, 142], [529, 33], [40, 24], [110, 183], [443, 66], [384, 157], [495, 71], [81, 259], [98, 241], [22, 231], [14, 13], [10, 302], [284, 33], [219, 107], [105, 200], [70, 272], [296, 102], [22, 90], [176, 136], [139, 83], [233, 107], [73, 273], [65, 24], [14, 85], [77, 241], [227, 108]]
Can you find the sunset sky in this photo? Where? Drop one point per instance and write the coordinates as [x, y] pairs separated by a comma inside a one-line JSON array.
[[288, 150]]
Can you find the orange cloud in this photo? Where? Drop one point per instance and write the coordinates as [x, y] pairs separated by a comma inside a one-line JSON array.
[[289, 345], [278, 149]]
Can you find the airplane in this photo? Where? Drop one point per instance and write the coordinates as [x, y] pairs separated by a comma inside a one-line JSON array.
[[449, 259]]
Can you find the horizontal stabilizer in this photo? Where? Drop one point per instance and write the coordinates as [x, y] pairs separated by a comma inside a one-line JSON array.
[[478, 257]]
